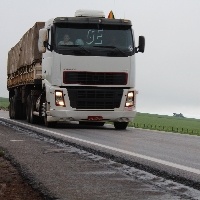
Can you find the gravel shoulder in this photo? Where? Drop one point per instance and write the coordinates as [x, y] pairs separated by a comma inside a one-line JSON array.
[[12, 185]]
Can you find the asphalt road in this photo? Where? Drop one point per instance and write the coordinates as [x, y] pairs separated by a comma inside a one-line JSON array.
[[174, 154], [174, 151]]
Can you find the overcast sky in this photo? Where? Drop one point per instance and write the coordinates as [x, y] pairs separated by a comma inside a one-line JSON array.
[[167, 73]]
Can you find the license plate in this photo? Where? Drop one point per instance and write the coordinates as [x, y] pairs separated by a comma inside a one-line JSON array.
[[95, 118]]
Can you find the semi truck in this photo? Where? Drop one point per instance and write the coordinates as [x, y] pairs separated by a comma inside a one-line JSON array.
[[89, 79]]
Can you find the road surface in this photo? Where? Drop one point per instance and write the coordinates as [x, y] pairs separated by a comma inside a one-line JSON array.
[[164, 153]]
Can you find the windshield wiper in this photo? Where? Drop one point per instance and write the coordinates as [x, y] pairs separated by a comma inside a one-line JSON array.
[[82, 48], [112, 47]]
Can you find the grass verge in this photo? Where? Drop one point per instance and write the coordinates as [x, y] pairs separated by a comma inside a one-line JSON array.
[[4, 103], [166, 123]]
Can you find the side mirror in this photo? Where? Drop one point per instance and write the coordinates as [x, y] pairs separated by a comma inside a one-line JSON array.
[[141, 44], [43, 38]]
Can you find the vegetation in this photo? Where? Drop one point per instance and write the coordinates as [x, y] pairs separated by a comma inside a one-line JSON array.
[[4, 103], [167, 123]]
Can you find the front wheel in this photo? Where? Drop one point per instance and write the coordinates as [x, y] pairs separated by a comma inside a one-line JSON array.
[[49, 124], [46, 123], [120, 125], [33, 118], [29, 110]]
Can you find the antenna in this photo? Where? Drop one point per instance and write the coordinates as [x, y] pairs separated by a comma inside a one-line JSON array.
[[114, 7]]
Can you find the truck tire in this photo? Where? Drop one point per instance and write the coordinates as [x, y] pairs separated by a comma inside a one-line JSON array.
[[11, 114], [28, 105], [23, 111], [29, 111], [49, 124], [33, 118], [46, 123], [9, 107], [120, 125], [15, 108]]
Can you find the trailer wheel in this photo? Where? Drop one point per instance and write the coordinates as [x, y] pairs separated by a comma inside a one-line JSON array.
[[15, 108], [11, 109], [23, 111], [120, 125], [28, 105]]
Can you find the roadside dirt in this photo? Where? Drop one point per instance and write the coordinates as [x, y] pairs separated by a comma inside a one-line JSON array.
[[12, 186]]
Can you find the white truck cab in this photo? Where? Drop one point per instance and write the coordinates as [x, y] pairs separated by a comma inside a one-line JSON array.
[[88, 71]]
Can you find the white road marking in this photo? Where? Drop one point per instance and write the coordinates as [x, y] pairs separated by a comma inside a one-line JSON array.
[[17, 140], [163, 162]]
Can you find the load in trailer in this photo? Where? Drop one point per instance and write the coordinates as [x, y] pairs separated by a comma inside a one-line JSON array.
[[78, 68]]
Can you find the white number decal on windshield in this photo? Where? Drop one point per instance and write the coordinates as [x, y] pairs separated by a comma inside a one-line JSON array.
[[94, 37], [99, 37]]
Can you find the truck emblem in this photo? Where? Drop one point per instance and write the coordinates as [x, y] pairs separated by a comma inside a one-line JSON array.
[[130, 48]]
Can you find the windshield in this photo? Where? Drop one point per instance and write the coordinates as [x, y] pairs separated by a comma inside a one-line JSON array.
[[94, 39]]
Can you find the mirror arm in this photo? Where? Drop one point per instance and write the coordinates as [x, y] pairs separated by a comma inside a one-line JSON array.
[[48, 46], [136, 49]]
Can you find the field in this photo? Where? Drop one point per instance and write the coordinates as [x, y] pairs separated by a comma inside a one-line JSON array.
[[167, 123], [4, 103]]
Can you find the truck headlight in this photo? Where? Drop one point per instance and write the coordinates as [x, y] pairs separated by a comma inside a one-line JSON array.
[[59, 98], [130, 99]]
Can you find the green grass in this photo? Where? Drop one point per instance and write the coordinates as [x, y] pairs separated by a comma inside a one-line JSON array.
[[4, 102], [166, 123]]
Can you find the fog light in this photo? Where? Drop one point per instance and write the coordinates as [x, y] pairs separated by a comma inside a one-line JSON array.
[[129, 104]]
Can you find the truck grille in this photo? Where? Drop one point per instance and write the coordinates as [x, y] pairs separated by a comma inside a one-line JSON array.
[[95, 78], [95, 98]]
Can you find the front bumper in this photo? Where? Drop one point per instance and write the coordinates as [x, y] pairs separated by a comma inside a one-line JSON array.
[[66, 115]]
